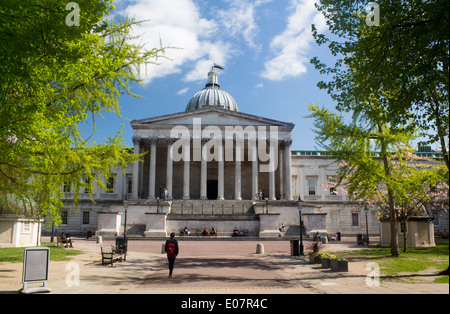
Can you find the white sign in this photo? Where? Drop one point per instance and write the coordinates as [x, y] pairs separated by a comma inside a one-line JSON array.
[[36, 263]]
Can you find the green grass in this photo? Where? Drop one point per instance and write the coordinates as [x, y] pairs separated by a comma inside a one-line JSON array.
[[413, 261], [15, 255]]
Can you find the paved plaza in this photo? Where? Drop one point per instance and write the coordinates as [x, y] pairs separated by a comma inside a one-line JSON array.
[[208, 267]]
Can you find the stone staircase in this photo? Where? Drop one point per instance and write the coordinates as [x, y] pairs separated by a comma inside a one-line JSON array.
[[212, 207]]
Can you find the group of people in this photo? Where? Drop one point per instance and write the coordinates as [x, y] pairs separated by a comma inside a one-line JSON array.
[[213, 232]]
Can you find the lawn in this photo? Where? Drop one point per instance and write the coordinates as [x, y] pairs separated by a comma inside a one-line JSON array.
[[412, 262], [15, 255]]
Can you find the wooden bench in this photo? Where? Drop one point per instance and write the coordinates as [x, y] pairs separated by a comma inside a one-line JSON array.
[[59, 242], [110, 255]]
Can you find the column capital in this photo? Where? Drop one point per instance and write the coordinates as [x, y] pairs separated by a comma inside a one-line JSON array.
[[152, 139], [137, 140], [286, 144]]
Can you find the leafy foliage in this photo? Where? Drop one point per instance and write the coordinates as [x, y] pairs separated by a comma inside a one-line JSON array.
[[53, 77]]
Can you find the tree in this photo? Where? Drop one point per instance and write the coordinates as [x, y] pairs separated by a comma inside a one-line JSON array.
[[405, 60], [363, 165], [55, 75], [393, 76]]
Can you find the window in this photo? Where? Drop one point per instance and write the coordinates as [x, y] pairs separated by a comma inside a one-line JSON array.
[[87, 189], [26, 227], [331, 182], [64, 215], [375, 222], [130, 184], [435, 215], [311, 186], [334, 220], [110, 185], [66, 187], [86, 215], [355, 220]]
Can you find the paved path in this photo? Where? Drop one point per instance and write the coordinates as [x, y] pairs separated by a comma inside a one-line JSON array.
[[205, 267]]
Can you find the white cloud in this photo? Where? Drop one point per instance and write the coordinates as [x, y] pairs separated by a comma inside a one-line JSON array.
[[291, 46], [239, 20], [260, 85], [179, 25], [197, 41], [183, 91]]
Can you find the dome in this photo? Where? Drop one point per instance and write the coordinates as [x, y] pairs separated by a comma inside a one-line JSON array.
[[212, 95]]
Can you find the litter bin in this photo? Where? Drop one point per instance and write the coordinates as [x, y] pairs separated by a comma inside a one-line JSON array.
[[359, 239], [88, 234], [121, 245], [338, 236], [295, 248]]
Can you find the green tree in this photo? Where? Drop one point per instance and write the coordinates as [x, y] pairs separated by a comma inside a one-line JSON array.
[[55, 75], [404, 62], [392, 77]]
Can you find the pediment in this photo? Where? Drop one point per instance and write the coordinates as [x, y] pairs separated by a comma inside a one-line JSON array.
[[209, 116]]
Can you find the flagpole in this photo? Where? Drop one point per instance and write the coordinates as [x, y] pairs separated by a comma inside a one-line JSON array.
[[214, 86]]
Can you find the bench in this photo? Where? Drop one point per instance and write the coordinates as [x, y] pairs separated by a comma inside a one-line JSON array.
[[60, 242], [110, 255], [242, 233]]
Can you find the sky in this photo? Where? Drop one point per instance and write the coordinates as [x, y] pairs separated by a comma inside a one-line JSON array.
[[265, 47]]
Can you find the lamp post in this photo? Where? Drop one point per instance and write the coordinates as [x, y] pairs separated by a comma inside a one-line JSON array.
[[300, 206], [366, 209], [125, 242]]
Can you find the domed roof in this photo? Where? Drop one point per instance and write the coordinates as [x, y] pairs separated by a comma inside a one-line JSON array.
[[212, 95]]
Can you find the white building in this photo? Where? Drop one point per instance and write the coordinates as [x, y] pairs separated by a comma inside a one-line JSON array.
[[213, 166]]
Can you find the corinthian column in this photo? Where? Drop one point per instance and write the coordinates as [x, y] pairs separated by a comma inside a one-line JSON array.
[[255, 191], [169, 173], [186, 176], [204, 172], [220, 171], [237, 172], [134, 192], [152, 173], [287, 169]]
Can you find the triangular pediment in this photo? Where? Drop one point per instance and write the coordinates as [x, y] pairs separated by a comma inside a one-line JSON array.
[[209, 116]]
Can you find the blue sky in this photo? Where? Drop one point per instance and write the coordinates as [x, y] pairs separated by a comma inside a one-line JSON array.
[[264, 45]]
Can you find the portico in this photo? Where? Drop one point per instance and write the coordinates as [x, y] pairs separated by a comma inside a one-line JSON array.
[[195, 155]]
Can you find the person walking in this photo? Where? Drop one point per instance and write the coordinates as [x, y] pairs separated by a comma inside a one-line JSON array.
[[171, 249]]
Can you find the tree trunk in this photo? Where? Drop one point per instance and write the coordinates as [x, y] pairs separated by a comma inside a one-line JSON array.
[[392, 214], [405, 237]]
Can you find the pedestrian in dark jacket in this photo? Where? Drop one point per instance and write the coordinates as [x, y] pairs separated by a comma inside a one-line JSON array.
[[171, 248]]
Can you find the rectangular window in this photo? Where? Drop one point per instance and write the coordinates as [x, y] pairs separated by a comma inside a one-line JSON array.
[[331, 182], [86, 218], [355, 220], [64, 215], [110, 185], [375, 222], [334, 220], [435, 215], [130, 184], [26, 227], [66, 187], [87, 189], [311, 186]]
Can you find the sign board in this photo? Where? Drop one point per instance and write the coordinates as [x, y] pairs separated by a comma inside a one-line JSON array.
[[36, 263]]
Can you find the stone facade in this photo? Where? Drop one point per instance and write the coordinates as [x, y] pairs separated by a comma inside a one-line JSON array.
[[213, 166]]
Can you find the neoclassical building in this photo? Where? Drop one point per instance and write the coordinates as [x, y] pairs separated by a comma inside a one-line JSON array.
[[214, 166]]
